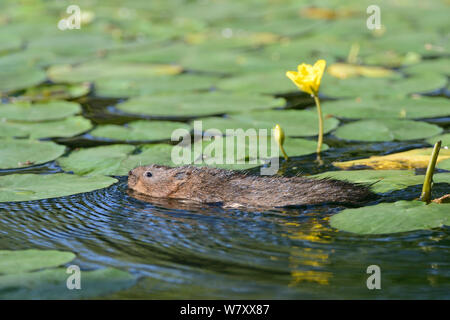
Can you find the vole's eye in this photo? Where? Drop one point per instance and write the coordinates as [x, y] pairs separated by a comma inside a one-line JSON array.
[[148, 174]]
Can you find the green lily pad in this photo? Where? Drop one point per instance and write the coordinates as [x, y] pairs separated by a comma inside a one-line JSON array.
[[12, 262], [194, 105], [379, 87], [24, 153], [92, 71], [445, 138], [129, 87], [19, 77], [52, 284], [368, 108], [401, 216], [53, 110], [386, 130], [423, 43], [115, 159], [439, 66], [68, 127], [55, 92], [141, 130], [385, 180], [71, 46], [25, 187], [259, 82], [295, 123], [444, 165]]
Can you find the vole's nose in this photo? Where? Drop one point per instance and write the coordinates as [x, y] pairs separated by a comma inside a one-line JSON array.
[[130, 172]]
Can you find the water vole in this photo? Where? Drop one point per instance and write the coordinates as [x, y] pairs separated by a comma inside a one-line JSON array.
[[232, 189]]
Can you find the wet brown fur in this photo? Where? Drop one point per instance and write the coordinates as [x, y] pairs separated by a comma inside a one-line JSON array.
[[233, 189]]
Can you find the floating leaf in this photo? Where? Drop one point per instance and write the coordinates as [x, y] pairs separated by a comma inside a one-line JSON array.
[[445, 164], [52, 284], [68, 127], [439, 66], [25, 187], [401, 216], [386, 130], [20, 78], [108, 70], [345, 70], [270, 83], [379, 87], [130, 87], [114, 159], [141, 130], [445, 138], [385, 180], [53, 110], [12, 262], [193, 105], [24, 153], [55, 92], [416, 158], [409, 108]]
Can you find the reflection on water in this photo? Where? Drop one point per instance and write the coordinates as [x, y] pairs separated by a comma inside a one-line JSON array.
[[189, 250]]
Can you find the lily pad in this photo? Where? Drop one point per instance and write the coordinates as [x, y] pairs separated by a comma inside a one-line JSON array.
[[52, 284], [407, 108], [445, 138], [194, 105], [401, 216], [258, 82], [295, 123], [92, 71], [439, 66], [131, 87], [53, 110], [416, 158], [14, 79], [20, 261], [141, 130], [386, 130], [24, 153], [55, 92], [115, 159], [346, 70], [25, 187], [379, 87], [445, 164], [384, 180], [68, 127]]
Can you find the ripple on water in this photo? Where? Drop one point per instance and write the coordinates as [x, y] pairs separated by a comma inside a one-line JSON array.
[[224, 253]]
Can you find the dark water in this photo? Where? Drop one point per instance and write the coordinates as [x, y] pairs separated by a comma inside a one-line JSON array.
[[185, 250]]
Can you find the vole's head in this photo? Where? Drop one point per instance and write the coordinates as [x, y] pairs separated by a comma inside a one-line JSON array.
[[156, 180]]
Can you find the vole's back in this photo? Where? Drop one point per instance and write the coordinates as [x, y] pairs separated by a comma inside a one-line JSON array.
[[234, 188]]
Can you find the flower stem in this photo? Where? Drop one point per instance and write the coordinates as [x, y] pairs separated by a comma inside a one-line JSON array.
[[284, 153], [426, 189], [319, 111]]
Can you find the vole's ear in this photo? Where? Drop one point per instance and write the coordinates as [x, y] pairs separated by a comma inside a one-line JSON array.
[[181, 175]]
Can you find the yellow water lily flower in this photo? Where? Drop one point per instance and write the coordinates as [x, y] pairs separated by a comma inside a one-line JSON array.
[[308, 77], [278, 134]]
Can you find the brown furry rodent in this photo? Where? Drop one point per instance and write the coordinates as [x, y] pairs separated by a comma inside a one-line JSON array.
[[234, 189]]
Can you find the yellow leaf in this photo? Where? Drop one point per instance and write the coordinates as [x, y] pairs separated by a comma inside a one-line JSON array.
[[345, 70], [416, 158]]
